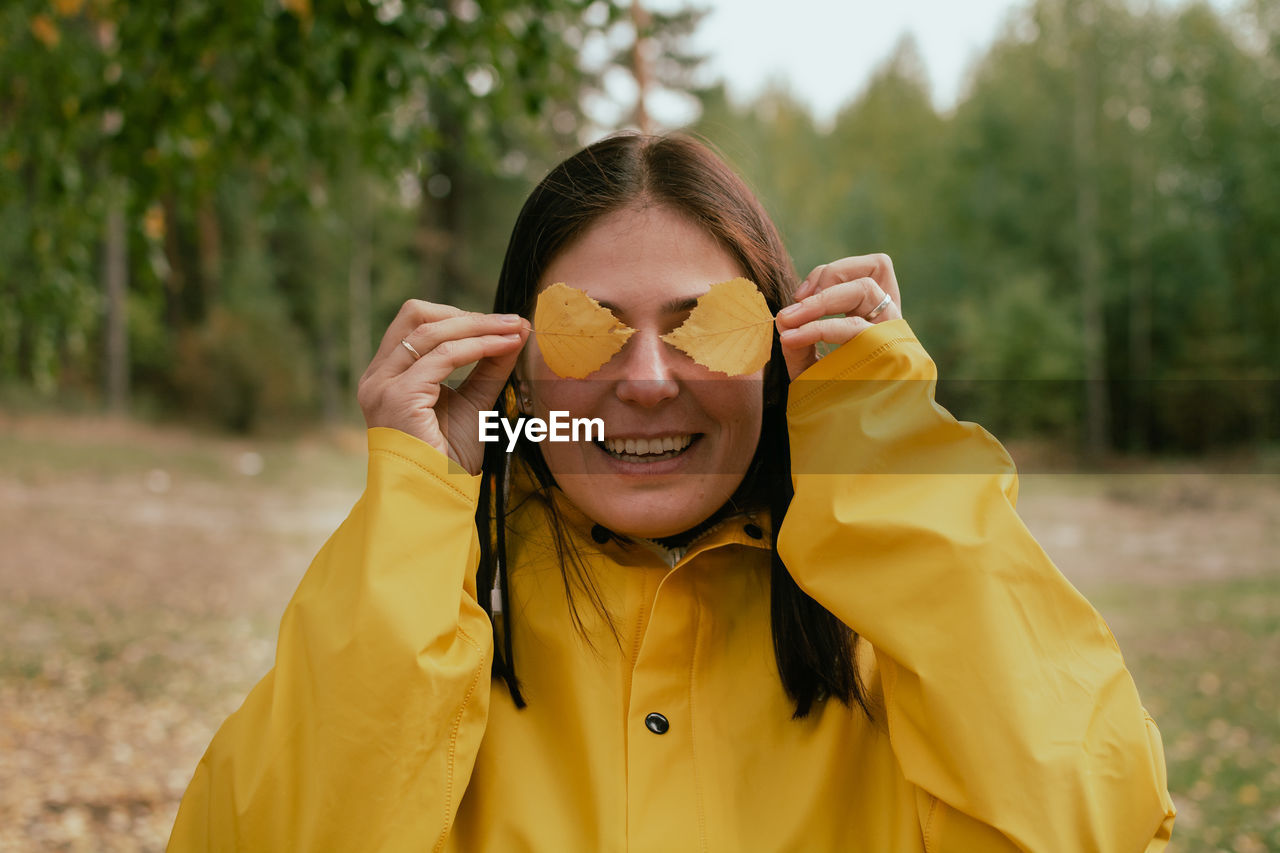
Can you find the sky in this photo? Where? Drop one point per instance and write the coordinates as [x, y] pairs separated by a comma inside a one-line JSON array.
[[824, 51]]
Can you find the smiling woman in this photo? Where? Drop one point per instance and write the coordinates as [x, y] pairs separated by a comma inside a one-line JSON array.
[[787, 609]]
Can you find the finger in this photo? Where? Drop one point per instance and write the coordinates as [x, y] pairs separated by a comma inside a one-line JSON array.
[[876, 266], [839, 298], [412, 314], [858, 298], [428, 336], [448, 356], [799, 345], [810, 281], [798, 358], [830, 330], [855, 298], [482, 387]]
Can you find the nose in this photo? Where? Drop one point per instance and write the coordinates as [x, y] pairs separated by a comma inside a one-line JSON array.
[[648, 375]]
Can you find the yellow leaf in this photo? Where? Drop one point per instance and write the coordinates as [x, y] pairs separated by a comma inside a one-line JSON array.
[[576, 334], [300, 8], [67, 8], [730, 330], [45, 31], [153, 223]]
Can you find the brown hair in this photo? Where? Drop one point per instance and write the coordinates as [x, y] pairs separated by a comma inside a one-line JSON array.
[[813, 649]]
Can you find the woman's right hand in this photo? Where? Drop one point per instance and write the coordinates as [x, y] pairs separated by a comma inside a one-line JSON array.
[[407, 393]]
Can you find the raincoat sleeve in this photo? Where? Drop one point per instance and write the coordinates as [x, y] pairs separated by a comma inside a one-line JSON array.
[[1006, 700], [364, 733]]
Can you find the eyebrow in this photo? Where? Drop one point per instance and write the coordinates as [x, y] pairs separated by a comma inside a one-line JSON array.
[[672, 306]]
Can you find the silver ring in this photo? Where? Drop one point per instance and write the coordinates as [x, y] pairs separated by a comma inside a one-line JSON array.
[[884, 303], [416, 355]]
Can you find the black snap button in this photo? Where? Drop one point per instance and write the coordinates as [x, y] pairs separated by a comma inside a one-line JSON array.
[[754, 531], [600, 534], [657, 724]]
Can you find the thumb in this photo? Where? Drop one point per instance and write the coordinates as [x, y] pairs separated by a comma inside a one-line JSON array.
[[799, 357], [485, 382]]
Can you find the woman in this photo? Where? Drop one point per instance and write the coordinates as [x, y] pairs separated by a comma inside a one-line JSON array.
[[900, 669]]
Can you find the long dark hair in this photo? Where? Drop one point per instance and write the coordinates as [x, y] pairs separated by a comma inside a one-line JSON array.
[[814, 650]]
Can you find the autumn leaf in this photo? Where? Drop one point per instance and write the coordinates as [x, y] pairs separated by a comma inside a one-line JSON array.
[[576, 334], [67, 8], [153, 224], [301, 9], [730, 330], [45, 30]]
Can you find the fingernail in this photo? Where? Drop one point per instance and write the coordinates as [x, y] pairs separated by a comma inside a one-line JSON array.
[[788, 333], [514, 336], [509, 319], [789, 310]]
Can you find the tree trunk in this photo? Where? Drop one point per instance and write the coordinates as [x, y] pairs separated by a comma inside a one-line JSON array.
[[430, 244], [456, 276], [209, 249], [441, 247], [359, 287], [115, 270], [1088, 254], [330, 398], [640, 65], [175, 278], [1140, 205], [1142, 393]]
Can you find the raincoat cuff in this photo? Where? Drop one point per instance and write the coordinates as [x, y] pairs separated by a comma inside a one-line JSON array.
[[858, 359], [386, 443]]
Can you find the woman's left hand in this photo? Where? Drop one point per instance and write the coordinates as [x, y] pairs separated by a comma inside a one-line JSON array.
[[852, 289]]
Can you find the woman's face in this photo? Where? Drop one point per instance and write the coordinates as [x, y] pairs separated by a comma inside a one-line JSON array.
[[648, 265]]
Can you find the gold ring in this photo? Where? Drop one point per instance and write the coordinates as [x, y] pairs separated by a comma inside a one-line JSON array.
[[416, 355], [884, 303]]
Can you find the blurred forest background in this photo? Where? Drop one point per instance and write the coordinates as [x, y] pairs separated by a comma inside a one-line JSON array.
[[212, 210], [209, 211]]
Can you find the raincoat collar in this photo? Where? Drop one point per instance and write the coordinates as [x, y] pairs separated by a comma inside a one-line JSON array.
[[751, 528]]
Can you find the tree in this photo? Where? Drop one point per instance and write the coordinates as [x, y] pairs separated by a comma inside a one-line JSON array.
[[114, 112]]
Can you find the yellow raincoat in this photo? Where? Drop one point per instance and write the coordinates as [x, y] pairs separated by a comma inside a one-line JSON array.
[[1004, 716]]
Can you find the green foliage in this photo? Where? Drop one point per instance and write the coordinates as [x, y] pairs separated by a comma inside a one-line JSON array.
[[1019, 361], [243, 370], [196, 116], [299, 168], [980, 209]]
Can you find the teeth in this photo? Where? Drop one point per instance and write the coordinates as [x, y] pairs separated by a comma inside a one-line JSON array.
[[647, 446]]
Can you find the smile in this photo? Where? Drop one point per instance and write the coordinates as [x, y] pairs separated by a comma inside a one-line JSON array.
[[647, 449]]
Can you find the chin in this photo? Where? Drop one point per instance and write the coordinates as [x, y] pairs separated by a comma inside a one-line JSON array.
[[656, 515], [655, 528]]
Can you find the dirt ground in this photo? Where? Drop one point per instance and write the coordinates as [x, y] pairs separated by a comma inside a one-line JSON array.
[[143, 571]]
